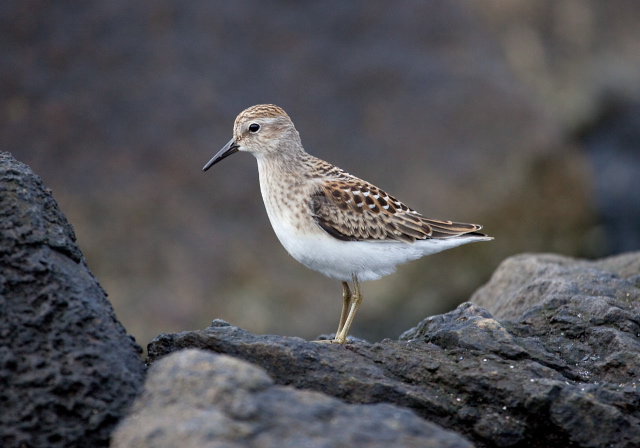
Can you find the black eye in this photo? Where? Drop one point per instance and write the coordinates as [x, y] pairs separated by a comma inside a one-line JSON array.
[[254, 127]]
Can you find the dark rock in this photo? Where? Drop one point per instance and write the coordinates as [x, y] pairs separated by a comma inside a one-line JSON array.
[[68, 369], [560, 369], [197, 399], [586, 312], [528, 281]]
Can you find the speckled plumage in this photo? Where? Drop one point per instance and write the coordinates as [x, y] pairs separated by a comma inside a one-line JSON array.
[[329, 220]]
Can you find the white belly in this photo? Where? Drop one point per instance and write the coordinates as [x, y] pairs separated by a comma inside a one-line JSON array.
[[298, 232], [339, 259]]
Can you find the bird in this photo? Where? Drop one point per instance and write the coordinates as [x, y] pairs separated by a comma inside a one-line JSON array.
[[329, 220]]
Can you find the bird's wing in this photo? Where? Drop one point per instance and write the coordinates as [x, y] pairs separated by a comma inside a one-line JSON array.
[[351, 209]]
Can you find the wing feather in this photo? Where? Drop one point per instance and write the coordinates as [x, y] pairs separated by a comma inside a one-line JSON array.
[[351, 209]]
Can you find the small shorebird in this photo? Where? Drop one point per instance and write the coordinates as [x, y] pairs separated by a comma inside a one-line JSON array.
[[327, 219]]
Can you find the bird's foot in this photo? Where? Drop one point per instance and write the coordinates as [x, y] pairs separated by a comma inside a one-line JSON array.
[[331, 341]]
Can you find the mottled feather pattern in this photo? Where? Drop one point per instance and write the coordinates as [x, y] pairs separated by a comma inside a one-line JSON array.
[[351, 209], [261, 111], [330, 221]]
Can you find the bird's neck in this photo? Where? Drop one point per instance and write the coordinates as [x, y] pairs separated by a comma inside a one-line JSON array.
[[289, 166], [284, 179]]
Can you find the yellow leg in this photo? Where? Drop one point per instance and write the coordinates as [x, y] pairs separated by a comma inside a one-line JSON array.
[[346, 304], [355, 301]]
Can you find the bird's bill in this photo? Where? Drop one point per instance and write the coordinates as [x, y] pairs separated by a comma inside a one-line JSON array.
[[225, 152]]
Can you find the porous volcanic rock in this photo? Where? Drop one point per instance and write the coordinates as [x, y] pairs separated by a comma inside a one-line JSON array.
[[199, 399], [68, 369], [559, 370]]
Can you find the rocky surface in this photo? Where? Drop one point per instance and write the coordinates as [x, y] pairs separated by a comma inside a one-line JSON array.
[[196, 399], [557, 367], [546, 354], [68, 369]]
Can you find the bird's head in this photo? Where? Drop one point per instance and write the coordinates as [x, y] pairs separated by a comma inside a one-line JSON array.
[[264, 130]]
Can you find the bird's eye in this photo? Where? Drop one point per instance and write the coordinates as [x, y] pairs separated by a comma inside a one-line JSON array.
[[254, 127]]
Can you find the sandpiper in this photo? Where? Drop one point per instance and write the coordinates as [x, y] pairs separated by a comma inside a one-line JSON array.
[[327, 219]]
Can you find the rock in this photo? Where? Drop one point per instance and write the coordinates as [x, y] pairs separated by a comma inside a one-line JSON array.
[[559, 367], [529, 281], [197, 399], [588, 313], [68, 369]]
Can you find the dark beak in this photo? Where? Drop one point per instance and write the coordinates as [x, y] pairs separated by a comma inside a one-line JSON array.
[[225, 152]]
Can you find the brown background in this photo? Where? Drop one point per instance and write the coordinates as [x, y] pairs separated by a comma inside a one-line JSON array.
[[517, 114]]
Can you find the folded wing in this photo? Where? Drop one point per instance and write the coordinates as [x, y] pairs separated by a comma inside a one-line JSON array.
[[351, 209]]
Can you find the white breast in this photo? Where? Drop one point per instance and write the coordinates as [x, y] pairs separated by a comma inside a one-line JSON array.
[[288, 209]]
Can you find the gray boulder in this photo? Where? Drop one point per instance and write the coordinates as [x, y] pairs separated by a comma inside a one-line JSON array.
[[68, 369], [195, 399]]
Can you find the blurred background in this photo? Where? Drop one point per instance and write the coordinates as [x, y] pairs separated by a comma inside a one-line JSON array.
[[521, 115]]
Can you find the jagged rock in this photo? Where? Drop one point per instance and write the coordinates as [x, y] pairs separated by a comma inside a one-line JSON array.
[[198, 399], [556, 365], [527, 281], [561, 369], [68, 369]]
